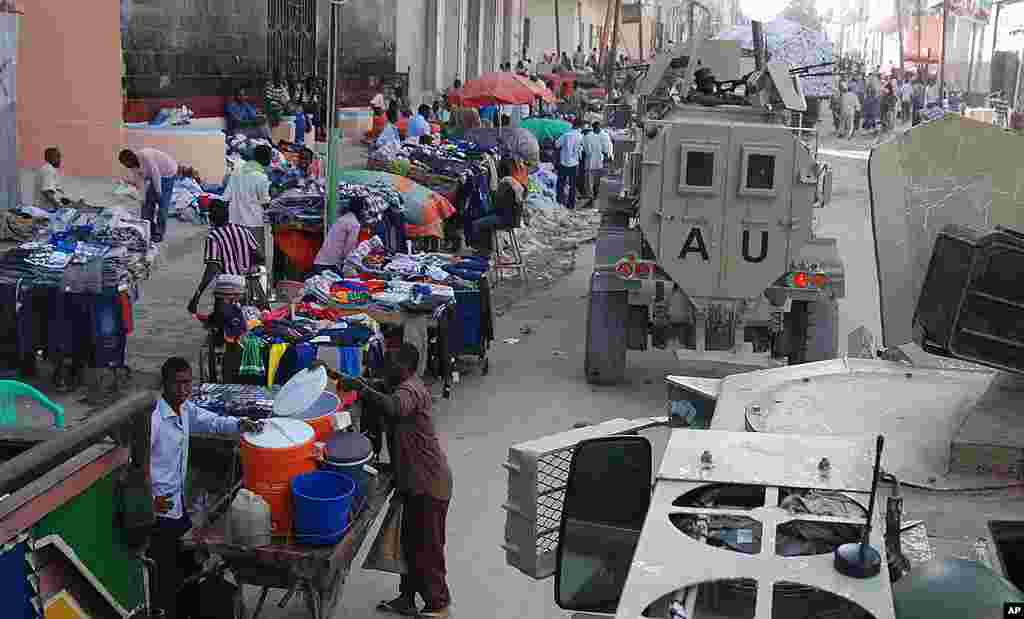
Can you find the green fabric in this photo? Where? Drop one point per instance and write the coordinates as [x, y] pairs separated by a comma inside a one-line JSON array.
[[546, 128], [252, 357], [86, 525]]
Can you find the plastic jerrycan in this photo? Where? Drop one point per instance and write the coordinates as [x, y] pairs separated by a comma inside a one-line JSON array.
[[248, 520]]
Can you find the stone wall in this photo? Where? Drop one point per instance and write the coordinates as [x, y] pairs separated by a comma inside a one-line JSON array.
[[188, 48]]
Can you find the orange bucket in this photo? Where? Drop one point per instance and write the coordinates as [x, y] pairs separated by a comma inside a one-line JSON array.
[[271, 459]]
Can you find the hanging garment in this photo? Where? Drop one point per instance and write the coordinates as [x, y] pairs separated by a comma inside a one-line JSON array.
[[350, 360], [277, 352]]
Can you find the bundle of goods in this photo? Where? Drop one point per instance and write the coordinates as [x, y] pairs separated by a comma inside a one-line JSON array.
[[457, 171], [83, 250], [23, 224], [188, 198], [234, 400]]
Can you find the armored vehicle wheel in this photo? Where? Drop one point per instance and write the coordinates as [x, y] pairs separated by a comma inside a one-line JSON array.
[[812, 328], [607, 316]]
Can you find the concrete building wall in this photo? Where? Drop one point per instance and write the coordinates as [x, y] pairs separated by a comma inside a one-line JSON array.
[[454, 42], [187, 48], [541, 14], [69, 84], [413, 47], [367, 36]]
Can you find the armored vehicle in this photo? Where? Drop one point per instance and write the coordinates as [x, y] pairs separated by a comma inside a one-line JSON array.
[[714, 211]]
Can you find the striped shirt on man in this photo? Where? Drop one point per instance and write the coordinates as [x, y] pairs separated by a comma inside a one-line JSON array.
[[232, 246]]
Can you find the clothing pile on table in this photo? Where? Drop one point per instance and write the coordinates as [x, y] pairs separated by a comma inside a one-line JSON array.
[[84, 250], [20, 226], [252, 401], [440, 292], [187, 197], [460, 171]]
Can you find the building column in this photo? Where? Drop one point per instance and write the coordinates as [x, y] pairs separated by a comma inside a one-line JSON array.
[[439, 10]]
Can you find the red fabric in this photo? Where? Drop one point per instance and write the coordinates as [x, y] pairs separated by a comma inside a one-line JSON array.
[[424, 520], [300, 247], [364, 235], [379, 122], [126, 313]]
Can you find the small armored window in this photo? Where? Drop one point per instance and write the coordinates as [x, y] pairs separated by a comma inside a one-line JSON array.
[[760, 171], [700, 169]]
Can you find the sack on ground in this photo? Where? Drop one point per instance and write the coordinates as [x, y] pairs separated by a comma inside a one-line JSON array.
[[386, 553]]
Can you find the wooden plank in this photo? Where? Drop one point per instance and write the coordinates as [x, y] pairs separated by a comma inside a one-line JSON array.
[[30, 504], [26, 435]]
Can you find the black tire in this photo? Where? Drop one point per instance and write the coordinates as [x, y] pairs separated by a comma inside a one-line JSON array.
[[446, 393], [486, 367], [607, 317], [812, 331]]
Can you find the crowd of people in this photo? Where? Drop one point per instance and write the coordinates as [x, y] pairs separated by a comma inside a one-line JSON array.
[[875, 103]]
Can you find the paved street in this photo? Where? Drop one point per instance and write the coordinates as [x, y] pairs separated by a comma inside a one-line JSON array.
[[535, 387]]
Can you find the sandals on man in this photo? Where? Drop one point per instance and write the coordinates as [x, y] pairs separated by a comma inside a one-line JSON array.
[[399, 606]]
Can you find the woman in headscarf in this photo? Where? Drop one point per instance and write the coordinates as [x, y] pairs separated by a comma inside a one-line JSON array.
[[380, 119]]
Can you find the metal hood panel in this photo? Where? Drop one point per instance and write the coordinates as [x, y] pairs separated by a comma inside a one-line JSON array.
[[918, 410], [952, 170], [784, 460], [667, 559]]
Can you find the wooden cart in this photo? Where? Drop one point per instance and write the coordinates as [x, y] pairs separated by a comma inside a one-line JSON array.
[[318, 572]]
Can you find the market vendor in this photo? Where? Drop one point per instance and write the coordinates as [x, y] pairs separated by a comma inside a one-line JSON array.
[[380, 119], [419, 125], [154, 174], [390, 132], [49, 189], [240, 116], [422, 476], [248, 194], [508, 201], [230, 249], [173, 420], [277, 100], [341, 239]]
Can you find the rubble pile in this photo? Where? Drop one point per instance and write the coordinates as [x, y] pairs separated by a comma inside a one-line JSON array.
[[550, 241]]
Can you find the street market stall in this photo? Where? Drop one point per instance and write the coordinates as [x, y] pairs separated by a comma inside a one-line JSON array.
[[461, 172], [299, 498], [70, 291]]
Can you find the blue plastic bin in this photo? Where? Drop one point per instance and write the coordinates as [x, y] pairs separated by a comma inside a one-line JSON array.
[[322, 501]]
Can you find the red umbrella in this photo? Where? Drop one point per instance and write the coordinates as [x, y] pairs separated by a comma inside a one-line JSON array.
[[495, 89], [539, 89]]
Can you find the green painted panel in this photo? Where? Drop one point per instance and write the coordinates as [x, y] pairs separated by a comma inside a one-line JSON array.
[[86, 524]]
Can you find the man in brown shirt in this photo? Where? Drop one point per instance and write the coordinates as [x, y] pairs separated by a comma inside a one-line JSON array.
[[424, 479]]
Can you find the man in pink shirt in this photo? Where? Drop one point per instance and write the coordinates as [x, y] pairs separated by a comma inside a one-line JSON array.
[[154, 174], [342, 238]]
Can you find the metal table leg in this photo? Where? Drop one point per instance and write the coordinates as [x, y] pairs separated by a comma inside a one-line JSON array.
[[268, 244]]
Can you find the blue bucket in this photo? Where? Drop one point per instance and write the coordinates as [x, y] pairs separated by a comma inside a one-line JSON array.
[[322, 501], [347, 453]]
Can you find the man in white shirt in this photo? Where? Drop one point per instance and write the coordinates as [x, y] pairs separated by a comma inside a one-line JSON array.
[[248, 193], [906, 94], [173, 420], [49, 193], [570, 150], [598, 146]]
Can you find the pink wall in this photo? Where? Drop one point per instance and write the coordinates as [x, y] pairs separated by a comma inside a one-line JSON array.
[[69, 84]]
